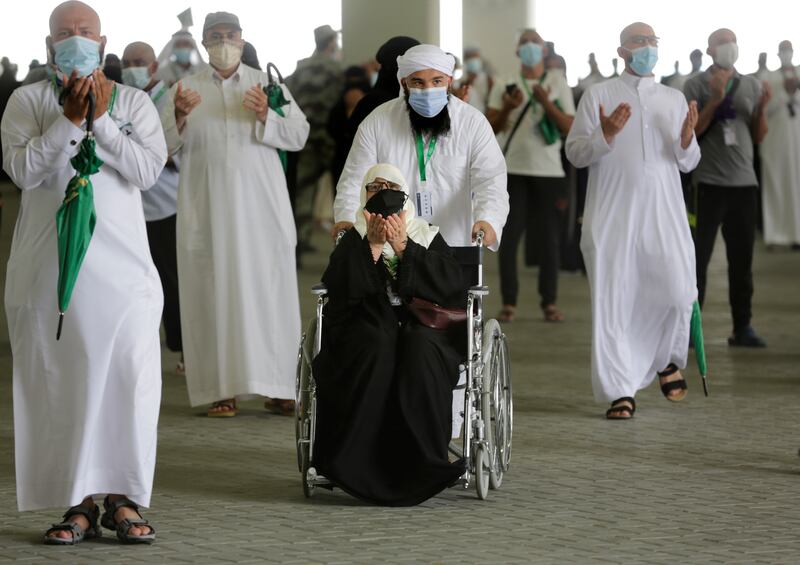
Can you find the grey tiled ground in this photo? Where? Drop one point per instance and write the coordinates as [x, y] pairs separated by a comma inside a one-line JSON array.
[[708, 481]]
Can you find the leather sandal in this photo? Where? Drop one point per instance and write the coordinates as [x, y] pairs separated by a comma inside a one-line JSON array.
[[123, 527], [78, 533], [619, 411], [552, 313], [668, 387], [507, 313], [229, 409], [280, 406]]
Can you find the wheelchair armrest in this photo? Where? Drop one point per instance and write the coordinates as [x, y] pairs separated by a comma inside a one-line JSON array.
[[319, 289], [479, 290]]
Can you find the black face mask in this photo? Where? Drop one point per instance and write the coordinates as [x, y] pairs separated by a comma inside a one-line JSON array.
[[386, 202]]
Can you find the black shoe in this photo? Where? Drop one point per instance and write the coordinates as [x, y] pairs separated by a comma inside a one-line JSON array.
[[746, 337]]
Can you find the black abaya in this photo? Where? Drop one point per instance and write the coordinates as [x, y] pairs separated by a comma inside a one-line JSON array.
[[384, 381]]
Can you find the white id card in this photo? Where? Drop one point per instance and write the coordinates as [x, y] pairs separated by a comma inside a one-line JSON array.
[[425, 204], [729, 134]]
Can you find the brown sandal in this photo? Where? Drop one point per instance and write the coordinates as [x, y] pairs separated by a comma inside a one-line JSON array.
[[281, 407], [552, 313], [228, 409], [507, 313]]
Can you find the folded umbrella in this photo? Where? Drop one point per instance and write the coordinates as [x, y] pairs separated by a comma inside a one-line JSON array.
[[276, 100], [76, 218], [696, 333]]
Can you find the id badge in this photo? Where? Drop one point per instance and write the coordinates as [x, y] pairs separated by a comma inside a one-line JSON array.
[[729, 134], [425, 204]]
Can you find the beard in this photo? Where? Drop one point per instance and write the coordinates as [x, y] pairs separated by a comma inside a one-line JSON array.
[[438, 125]]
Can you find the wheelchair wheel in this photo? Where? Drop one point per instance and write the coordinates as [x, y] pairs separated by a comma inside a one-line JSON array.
[[303, 397], [496, 401], [482, 464], [309, 476]]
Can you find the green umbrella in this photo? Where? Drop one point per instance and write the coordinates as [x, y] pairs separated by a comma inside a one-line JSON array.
[[276, 100], [76, 218], [696, 333]]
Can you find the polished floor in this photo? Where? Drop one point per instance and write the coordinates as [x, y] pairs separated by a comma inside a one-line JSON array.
[[710, 480]]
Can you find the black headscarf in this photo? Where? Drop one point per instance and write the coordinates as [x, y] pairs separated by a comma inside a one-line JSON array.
[[386, 88]]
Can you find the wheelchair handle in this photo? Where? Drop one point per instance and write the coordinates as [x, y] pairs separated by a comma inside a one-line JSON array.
[[479, 238]]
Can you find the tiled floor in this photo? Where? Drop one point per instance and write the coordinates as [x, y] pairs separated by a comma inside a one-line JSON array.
[[712, 480]]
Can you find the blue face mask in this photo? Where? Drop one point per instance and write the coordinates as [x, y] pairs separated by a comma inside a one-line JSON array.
[[531, 54], [183, 55], [428, 102], [643, 60], [473, 65], [77, 53]]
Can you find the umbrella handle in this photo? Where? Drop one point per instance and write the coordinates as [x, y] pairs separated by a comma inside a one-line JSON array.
[[90, 111], [270, 68]]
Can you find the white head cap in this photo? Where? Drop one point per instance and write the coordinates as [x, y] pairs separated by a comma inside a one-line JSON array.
[[421, 57]]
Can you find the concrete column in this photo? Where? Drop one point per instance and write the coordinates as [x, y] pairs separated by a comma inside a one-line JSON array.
[[368, 24], [494, 25]]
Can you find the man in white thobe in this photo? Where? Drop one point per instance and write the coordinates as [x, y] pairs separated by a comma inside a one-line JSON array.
[[636, 241], [240, 314], [85, 407], [443, 146], [780, 154]]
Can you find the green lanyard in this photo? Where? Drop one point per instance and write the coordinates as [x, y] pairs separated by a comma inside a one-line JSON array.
[[159, 94], [422, 157], [528, 88]]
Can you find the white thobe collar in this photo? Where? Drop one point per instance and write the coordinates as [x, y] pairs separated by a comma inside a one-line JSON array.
[[235, 77], [637, 82]]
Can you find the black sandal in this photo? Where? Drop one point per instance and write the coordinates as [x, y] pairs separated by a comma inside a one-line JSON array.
[[123, 527], [78, 533], [668, 387], [617, 407]]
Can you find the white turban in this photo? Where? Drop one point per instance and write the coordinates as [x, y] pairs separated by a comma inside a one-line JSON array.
[[417, 229], [421, 57]]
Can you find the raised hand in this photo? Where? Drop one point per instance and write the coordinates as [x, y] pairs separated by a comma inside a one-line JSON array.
[[513, 100], [256, 100], [185, 101], [766, 95], [396, 232], [463, 92], [687, 130], [614, 123], [76, 103], [540, 93], [718, 84], [102, 88], [376, 233]]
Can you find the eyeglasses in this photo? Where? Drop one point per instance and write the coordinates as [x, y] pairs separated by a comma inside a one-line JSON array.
[[643, 40], [377, 186]]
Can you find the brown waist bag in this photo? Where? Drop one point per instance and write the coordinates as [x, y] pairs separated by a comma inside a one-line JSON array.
[[434, 316]]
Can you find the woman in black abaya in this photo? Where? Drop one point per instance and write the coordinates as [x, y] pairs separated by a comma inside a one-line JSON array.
[[385, 380]]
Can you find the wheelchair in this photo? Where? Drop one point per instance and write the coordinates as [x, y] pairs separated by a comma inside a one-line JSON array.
[[487, 413]]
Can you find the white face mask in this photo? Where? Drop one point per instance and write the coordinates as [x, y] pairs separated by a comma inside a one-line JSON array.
[[726, 55], [224, 55], [786, 58], [137, 77]]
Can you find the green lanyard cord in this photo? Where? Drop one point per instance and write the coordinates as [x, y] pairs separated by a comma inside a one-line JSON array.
[[422, 157]]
